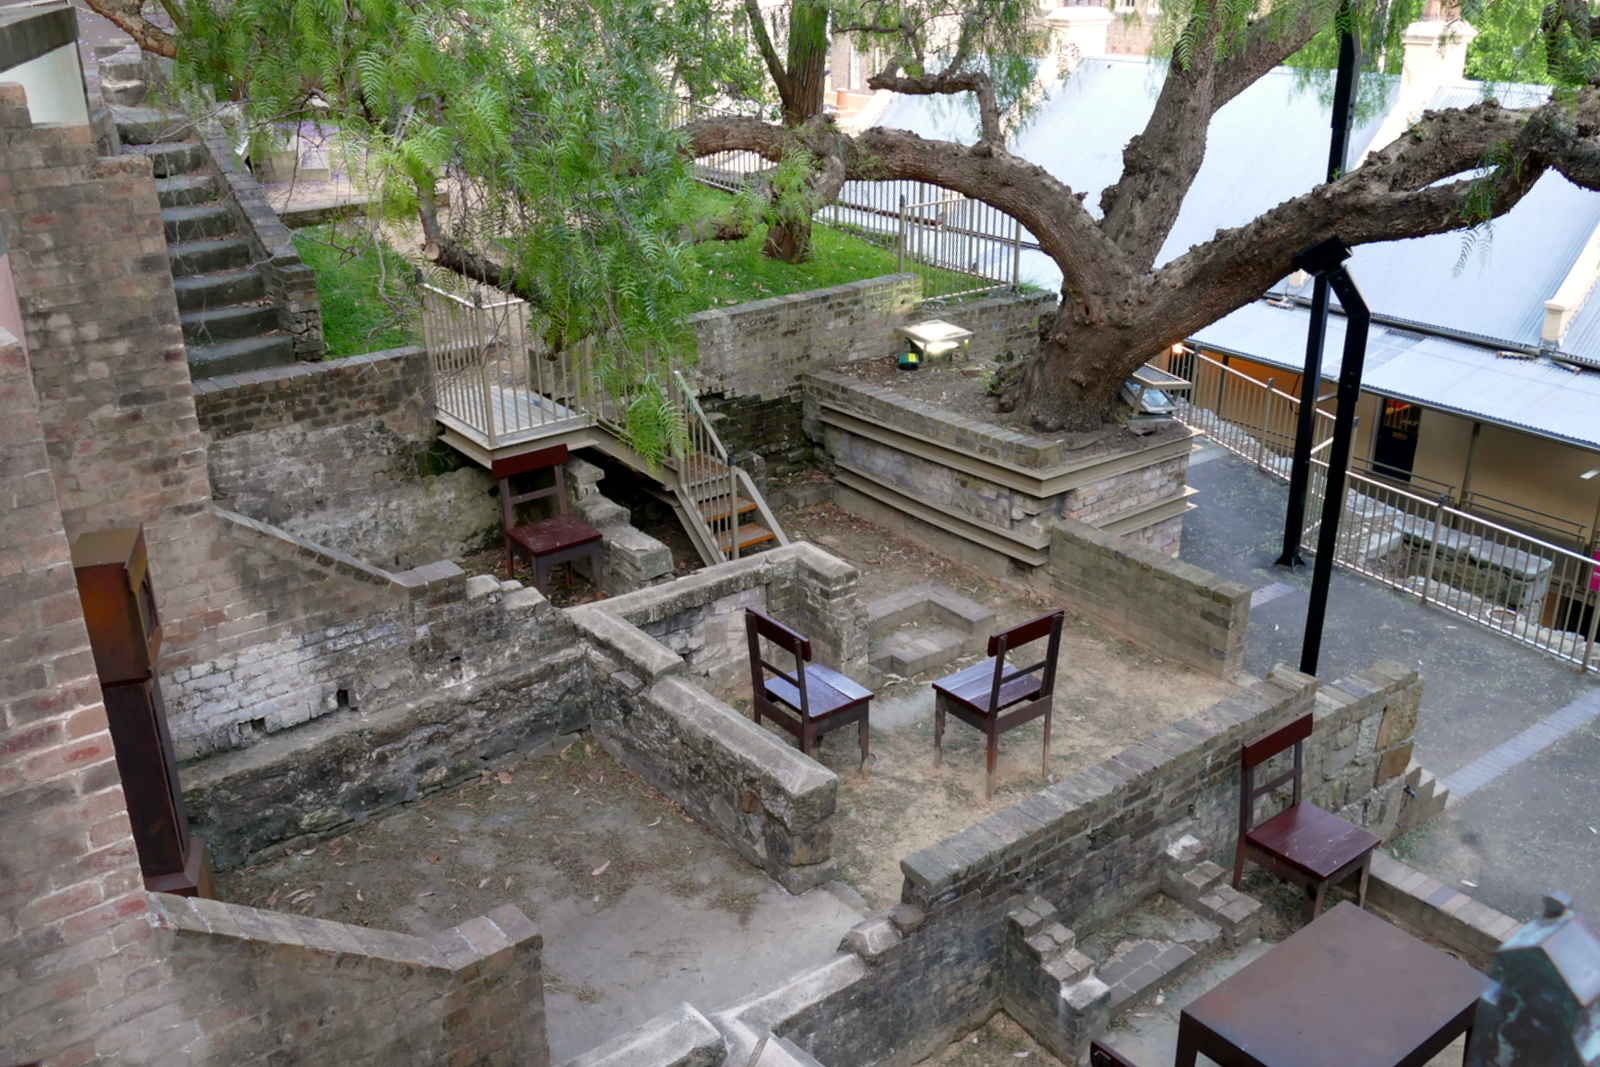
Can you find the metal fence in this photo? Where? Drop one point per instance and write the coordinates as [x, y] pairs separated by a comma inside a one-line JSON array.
[[1525, 587], [956, 245]]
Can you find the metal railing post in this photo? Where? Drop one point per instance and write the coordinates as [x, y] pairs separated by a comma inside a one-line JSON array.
[[900, 245], [1433, 546], [1016, 254]]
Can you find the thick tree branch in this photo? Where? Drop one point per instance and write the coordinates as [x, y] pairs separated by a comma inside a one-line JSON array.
[[769, 54], [128, 16], [1269, 41], [962, 81], [452, 257]]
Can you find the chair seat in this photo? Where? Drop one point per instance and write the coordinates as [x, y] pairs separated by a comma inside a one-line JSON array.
[[973, 686], [829, 691], [1313, 841], [553, 534]]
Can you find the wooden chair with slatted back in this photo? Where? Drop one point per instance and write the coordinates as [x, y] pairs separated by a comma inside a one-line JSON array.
[[1106, 1056], [809, 702], [545, 543], [979, 695], [1302, 843]]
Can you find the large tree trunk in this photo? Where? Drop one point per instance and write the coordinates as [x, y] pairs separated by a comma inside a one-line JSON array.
[[789, 241]]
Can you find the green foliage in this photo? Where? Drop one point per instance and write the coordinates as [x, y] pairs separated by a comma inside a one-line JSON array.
[[1509, 47], [550, 123], [364, 288]]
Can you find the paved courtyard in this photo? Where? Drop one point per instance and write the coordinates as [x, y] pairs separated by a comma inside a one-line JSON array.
[[1531, 820]]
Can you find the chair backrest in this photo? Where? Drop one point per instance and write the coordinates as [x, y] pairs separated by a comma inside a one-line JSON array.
[[1048, 625], [1102, 1056], [757, 626], [1253, 754], [506, 469]]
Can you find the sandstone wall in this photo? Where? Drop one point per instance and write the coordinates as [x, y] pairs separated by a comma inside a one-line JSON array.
[[1173, 607]]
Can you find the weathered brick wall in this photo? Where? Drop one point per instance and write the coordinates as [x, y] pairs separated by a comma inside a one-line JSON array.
[[1005, 327], [290, 283], [89, 258], [252, 987], [1171, 606], [345, 453], [76, 959]]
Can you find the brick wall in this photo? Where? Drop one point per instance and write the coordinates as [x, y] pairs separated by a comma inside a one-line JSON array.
[[253, 987], [1171, 606], [345, 453], [75, 953]]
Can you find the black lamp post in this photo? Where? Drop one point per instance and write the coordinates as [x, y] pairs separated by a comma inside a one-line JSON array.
[[1325, 260], [1344, 111]]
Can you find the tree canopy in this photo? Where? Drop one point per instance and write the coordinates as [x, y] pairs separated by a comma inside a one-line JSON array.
[[553, 125]]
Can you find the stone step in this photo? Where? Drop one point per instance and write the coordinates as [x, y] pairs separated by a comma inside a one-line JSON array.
[[170, 158], [916, 649], [151, 125], [204, 257], [197, 222], [1139, 967], [236, 357], [229, 324], [185, 189], [197, 292]]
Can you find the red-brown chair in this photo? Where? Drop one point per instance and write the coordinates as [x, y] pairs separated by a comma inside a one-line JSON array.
[[980, 694], [808, 703], [545, 543], [1301, 844]]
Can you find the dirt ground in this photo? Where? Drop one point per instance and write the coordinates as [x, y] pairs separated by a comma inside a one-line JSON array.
[[1109, 694], [1000, 1042], [570, 824]]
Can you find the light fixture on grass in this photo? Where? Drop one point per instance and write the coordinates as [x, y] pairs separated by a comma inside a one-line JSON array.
[[930, 340]]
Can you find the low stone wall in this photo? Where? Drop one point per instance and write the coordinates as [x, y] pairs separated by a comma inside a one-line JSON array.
[[290, 283], [257, 987], [1437, 911], [1173, 607], [987, 494], [1086, 849], [752, 788]]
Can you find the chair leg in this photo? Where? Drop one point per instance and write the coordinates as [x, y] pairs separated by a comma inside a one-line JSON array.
[[1315, 895], [594, 569], [511, 563], [1044, 762], [541, 576], [1238, 862], [808, 738], [938, 730], [1361, 893], [863, 728], [993, 759]]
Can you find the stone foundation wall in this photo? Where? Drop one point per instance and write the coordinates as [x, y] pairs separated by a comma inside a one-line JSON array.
[[344, 453], [258, 987], [1170, 606], [290, 283]]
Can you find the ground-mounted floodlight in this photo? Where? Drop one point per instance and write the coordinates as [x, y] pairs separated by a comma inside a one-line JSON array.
[[931, 340]]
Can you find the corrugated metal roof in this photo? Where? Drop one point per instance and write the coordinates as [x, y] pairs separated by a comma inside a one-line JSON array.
[[1533, 395], [1268, 144], [1583, 335], [1506, 272]]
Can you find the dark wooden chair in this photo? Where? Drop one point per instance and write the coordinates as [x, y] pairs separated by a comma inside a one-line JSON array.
[[981, 694], [1105, 1056], [811, 701], [1301, 844], [545, 543]]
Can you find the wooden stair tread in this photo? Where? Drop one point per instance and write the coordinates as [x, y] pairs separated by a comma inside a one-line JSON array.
[[714, 510], [749, 536]]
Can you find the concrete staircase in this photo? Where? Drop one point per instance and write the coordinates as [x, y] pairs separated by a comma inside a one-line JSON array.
[[230, 324]]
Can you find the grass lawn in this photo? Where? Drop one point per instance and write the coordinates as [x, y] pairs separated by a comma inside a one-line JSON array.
[[367, 304]]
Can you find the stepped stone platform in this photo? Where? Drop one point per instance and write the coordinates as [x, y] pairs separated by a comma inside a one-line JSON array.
[[923, 627]]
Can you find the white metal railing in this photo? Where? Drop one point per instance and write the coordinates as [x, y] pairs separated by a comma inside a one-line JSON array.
[[1516, 584], [708, 483], [496, 378]]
